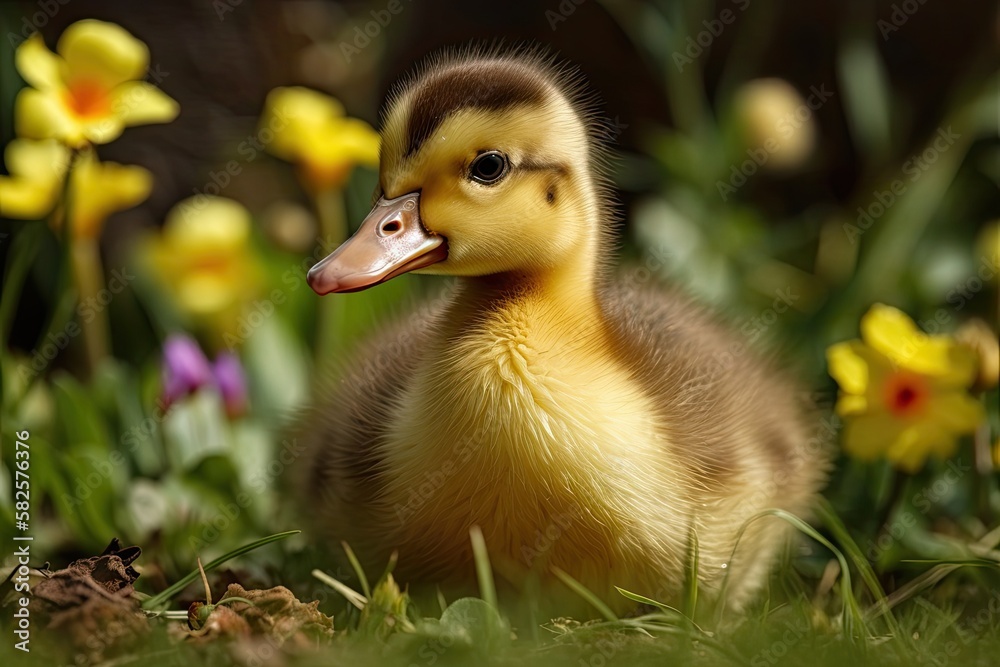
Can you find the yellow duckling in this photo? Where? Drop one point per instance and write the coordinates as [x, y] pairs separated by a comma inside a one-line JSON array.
[[581, 424]]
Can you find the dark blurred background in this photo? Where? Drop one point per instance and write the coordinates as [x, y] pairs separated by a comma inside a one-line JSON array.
[[219, 58]]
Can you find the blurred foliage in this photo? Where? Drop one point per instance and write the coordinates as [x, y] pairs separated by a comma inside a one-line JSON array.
[[916, 228]]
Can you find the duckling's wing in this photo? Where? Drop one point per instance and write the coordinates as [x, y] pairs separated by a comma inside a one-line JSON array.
[[724, 409]]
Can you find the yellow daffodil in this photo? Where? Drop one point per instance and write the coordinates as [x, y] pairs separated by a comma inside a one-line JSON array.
[[36, 171], [98, 189], [903, 393], [204, 257], [310, 129], [90, 90]]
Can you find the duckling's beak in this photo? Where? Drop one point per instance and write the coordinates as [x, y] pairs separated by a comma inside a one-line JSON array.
[[392, 240]]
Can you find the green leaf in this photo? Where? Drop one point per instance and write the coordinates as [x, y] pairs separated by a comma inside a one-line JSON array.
[[477, 622]]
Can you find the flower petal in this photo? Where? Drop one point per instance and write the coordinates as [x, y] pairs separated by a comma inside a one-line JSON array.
[[298, 117], [44, 161], [891, 332], [102, 188], [232, 383], [205, 293], [185, 368], [40, 67], [213, 226], [913, 446], [888, 329], [40, 115], [140, 103], [851, 404], [956, 411], [868, 436], [847, 366], [23, 199], [102, 130], [101, 51], [37, 169]]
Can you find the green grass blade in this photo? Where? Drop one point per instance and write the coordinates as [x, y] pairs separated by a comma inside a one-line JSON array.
[[165, 596], [352, 596], [665, 608], [843, 536], [974, 562], [358, 570], [389, 567], [851, 616], [689, 603], [484, 572], [585, 593]]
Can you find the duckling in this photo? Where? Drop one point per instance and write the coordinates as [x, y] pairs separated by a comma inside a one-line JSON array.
[[581, 421]]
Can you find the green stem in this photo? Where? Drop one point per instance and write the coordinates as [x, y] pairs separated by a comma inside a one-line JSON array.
[[88, 274], [332, 215]]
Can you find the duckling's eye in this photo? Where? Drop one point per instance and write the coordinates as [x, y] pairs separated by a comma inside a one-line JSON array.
[[489, 168]]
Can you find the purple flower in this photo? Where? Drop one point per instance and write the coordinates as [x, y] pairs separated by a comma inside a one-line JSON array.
[[185, 368], [232, 383]]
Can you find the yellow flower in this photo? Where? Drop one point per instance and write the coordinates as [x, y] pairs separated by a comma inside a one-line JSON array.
[[203, 256], [311, 130], [36, 171], [903, 393], [776, 122], [90, 91], [98, 189]]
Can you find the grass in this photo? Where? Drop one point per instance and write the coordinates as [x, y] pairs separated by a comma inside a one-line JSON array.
[[791, 624]]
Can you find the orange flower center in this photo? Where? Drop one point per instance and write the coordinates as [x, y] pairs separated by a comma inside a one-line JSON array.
[[88, 98], [214, 263], [322, 177], [905, 394]]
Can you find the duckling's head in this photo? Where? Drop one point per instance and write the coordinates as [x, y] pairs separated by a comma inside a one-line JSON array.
[[489, 165]]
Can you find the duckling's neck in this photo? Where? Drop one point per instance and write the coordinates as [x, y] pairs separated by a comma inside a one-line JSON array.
[[565, 294]]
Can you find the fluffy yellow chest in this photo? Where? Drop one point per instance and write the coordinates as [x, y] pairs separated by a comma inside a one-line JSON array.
[[525, 426]]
